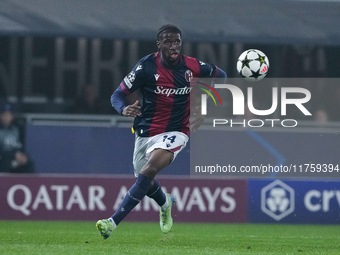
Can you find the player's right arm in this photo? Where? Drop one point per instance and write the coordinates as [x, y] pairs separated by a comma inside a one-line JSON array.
[[130, 83], [132, 110], [118, 102]]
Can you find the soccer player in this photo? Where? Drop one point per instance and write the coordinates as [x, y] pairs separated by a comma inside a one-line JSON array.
[[161, 123]]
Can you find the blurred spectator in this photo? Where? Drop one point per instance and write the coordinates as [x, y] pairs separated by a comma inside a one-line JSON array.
[[89, 103], [12, 157]]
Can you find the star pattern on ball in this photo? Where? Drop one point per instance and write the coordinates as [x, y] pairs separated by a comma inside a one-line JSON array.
[[245, 62], [260, 58], [256, 74]]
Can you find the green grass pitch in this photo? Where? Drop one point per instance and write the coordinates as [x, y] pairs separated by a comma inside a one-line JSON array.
[[46, 237]]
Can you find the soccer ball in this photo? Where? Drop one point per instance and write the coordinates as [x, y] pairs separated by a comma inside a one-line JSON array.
[[252, 65]]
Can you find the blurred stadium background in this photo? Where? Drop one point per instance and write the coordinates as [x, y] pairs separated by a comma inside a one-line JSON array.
[[51, 49]]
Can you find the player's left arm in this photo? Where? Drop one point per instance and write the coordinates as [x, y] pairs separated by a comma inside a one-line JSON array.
[[207, 71], [212, 71], [219, 73]]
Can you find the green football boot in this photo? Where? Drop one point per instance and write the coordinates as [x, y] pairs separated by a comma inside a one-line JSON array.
[[165, 220], [105, 227]]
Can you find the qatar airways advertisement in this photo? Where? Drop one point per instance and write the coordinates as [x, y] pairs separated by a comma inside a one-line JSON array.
[[92, 198]]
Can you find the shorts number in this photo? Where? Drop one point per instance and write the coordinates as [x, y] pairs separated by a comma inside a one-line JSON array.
[[171, 138]]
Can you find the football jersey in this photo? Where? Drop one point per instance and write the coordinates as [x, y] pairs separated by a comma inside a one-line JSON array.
[[166, 92]]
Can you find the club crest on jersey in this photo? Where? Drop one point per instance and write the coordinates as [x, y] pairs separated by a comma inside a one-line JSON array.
[[188, 75]]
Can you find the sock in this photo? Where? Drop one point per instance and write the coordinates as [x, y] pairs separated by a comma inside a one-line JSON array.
[[135, 194], [114, 223], [166, 204], [155, 192]]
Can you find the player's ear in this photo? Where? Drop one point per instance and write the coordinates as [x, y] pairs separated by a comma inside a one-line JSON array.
[[158, 44]]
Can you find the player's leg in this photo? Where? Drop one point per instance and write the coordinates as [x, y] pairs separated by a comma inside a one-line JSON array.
[[170, 141], [140, 158], [174, 142], [158, 159], [165, 202], [156, 193], [145, 160]]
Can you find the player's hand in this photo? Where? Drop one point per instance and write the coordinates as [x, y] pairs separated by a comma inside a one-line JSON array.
[[196, 119], [132, 110]]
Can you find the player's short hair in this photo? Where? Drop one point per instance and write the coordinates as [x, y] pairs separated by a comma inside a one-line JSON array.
[[168, 28]]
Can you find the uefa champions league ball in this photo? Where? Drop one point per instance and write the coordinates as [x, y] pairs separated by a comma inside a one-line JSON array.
[[252, 65]]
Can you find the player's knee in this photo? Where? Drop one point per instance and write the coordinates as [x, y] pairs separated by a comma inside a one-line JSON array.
[[149, 170]]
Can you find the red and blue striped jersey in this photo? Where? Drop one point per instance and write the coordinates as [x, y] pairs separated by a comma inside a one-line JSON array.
[[166, 92]]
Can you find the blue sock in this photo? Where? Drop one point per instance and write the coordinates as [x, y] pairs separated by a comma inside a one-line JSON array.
[[155, 192], [135, 194]]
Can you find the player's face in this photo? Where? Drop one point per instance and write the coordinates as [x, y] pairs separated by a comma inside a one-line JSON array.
[[170, 46]]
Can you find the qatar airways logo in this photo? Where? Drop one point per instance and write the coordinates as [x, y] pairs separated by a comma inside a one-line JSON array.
[[288, 97], [172, 91]]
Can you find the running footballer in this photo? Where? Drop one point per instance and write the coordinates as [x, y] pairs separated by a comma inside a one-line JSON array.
[[161, 121]]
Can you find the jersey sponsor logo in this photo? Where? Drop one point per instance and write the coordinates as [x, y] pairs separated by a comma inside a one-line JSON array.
[[172, 91], [139, 67], [156, 76], [188, 75]]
